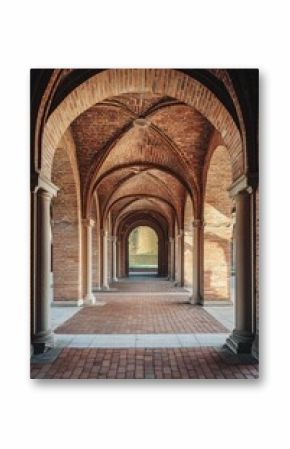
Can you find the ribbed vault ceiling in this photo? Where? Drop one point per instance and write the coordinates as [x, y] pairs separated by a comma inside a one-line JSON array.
[[141, 146]]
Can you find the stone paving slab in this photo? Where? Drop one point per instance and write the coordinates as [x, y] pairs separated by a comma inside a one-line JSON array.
[[61, 314], [171, 363], [142, 284], [223, 314], [140, 340]]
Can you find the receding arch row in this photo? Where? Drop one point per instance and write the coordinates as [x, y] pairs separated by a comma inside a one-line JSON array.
[[102, 157], [131, 185], [128, 188], [130, 222], [162, 81], [148, 166], [149, 196], [142, 166], [137, 205], [132, 217]]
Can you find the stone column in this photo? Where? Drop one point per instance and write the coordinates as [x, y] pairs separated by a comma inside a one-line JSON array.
[[105, 260], [241, 339], [118, 259], [197, 229], [233, 259], [179, 259], [88, 225], [171, 249], [114, 242], [99, 281], [42, 335]]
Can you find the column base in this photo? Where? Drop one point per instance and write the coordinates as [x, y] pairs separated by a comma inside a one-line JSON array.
[[69, 303], [196, 300], [115, 279], [255, 347], [240, 342], [42, 342], [89, 299]]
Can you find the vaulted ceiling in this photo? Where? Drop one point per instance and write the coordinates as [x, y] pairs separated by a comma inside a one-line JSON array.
[[138, 146], [142, 150]]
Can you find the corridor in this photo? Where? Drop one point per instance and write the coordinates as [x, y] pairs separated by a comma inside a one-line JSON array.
[[144, 199], [144, 328], [152, 306]]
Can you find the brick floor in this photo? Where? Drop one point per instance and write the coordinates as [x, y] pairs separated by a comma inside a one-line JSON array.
[[146, 284], [141, 314], [180, 363]]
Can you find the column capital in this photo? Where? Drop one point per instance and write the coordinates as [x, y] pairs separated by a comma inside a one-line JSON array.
[[234, 217], [104, 233], [112, 238], [88, 222], [245, 183], [171, 239], [197, 223], [181, 233], [42, 183]]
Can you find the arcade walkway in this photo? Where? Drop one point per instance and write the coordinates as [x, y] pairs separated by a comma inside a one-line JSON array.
[[143, 327]]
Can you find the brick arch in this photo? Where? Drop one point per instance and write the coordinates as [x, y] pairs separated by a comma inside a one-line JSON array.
[[216, 142], [141, 165], [125, 188], [141, 204], [162, 172], [165, 82], [132, 216], [158, 149], [159, 198], [133, 221], [66, 231], [127, 252]]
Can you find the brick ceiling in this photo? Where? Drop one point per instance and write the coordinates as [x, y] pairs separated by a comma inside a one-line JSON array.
[[141, 145]]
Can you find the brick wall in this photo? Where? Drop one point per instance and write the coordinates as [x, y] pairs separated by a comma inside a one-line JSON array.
[[66, 231], [218, 229]]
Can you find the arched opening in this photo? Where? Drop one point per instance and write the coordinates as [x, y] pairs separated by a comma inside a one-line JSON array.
[[218, 230], [143, 251]]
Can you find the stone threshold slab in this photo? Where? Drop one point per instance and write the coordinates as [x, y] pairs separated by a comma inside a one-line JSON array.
[[138, 293], [139, 340]]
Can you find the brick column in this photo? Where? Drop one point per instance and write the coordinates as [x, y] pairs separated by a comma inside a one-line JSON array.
[[197, 265], [42, 335], [105, 260], [114, 242], [241, 339], [88, 225]]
